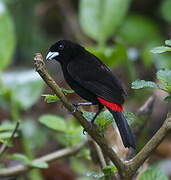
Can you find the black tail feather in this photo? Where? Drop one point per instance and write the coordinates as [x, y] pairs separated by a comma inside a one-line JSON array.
[[124, 129]]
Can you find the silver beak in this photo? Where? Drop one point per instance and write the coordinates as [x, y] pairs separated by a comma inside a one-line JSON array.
[[51, 55]]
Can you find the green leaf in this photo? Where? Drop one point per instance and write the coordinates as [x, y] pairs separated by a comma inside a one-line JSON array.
[[165, 10], [53, 122], [164, 76], [39, 164], [26, 87], [49, 98], [160, 49], [20, 157], [131, 117], [6, 135], [153, 174], [109, 170], [140, 84], [99, 19], [145, 27], [167, 98], [104, 119], [67, 91], [168, 42], [7, 127], [112, 55], [7, 36]]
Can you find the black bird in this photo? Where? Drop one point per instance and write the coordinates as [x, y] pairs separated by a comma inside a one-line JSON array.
[[91, 79]]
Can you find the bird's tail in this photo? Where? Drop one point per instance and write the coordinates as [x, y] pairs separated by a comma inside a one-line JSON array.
[[124, 129]]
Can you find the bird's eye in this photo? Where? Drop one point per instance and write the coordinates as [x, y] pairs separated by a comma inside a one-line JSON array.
[[61, 47]]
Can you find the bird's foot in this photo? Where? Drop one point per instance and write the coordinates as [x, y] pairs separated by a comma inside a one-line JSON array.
[[75, 108], [90, 127]]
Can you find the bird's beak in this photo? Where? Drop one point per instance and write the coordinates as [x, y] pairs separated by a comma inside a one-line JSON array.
[[51, 55]]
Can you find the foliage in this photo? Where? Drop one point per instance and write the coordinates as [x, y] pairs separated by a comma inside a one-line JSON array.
[[153, 174], [7, 36], [25, 160], [49, 98], [162, 49], [164, 76], [99, 19], [21, 88]]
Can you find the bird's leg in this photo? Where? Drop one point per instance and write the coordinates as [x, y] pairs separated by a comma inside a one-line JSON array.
[[77, 104], [97, 113]]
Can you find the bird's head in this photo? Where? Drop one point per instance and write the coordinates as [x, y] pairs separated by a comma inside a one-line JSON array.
[[63, 50]]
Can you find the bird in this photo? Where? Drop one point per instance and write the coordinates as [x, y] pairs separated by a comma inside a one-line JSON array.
[[92, 80]]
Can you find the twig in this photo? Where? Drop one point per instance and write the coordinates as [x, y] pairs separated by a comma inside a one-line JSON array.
[[139, 159], [4, 147], [144, 113], [100, 155], [147, 107], [12, 171]]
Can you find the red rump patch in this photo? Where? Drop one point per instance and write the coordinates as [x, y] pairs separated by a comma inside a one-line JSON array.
[[110, 105]]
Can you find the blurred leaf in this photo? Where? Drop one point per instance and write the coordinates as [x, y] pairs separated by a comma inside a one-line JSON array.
[[111, 56], [7, 36], [145, 27], [164, 76], [26, 87], [72, 136], [25, 160], [167, 98], [6, 135], [131, 117], [168, 42], [49, 98], [53, 122], [165, 10], [99, 18], [31, 129], [160, 49], [162, 61], [153, 174], [139, 84], [20, 157], [78, 166], [39, 164], [7, 126], [109, 170]]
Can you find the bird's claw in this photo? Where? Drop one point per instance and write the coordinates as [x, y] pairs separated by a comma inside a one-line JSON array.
[[90, 126], [75, 108]]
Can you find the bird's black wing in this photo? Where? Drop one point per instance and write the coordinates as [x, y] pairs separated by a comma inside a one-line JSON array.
[[93, 75]]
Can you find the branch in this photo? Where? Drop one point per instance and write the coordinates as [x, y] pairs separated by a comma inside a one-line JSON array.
[[139, 159], [12, 171], [101, 141]]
